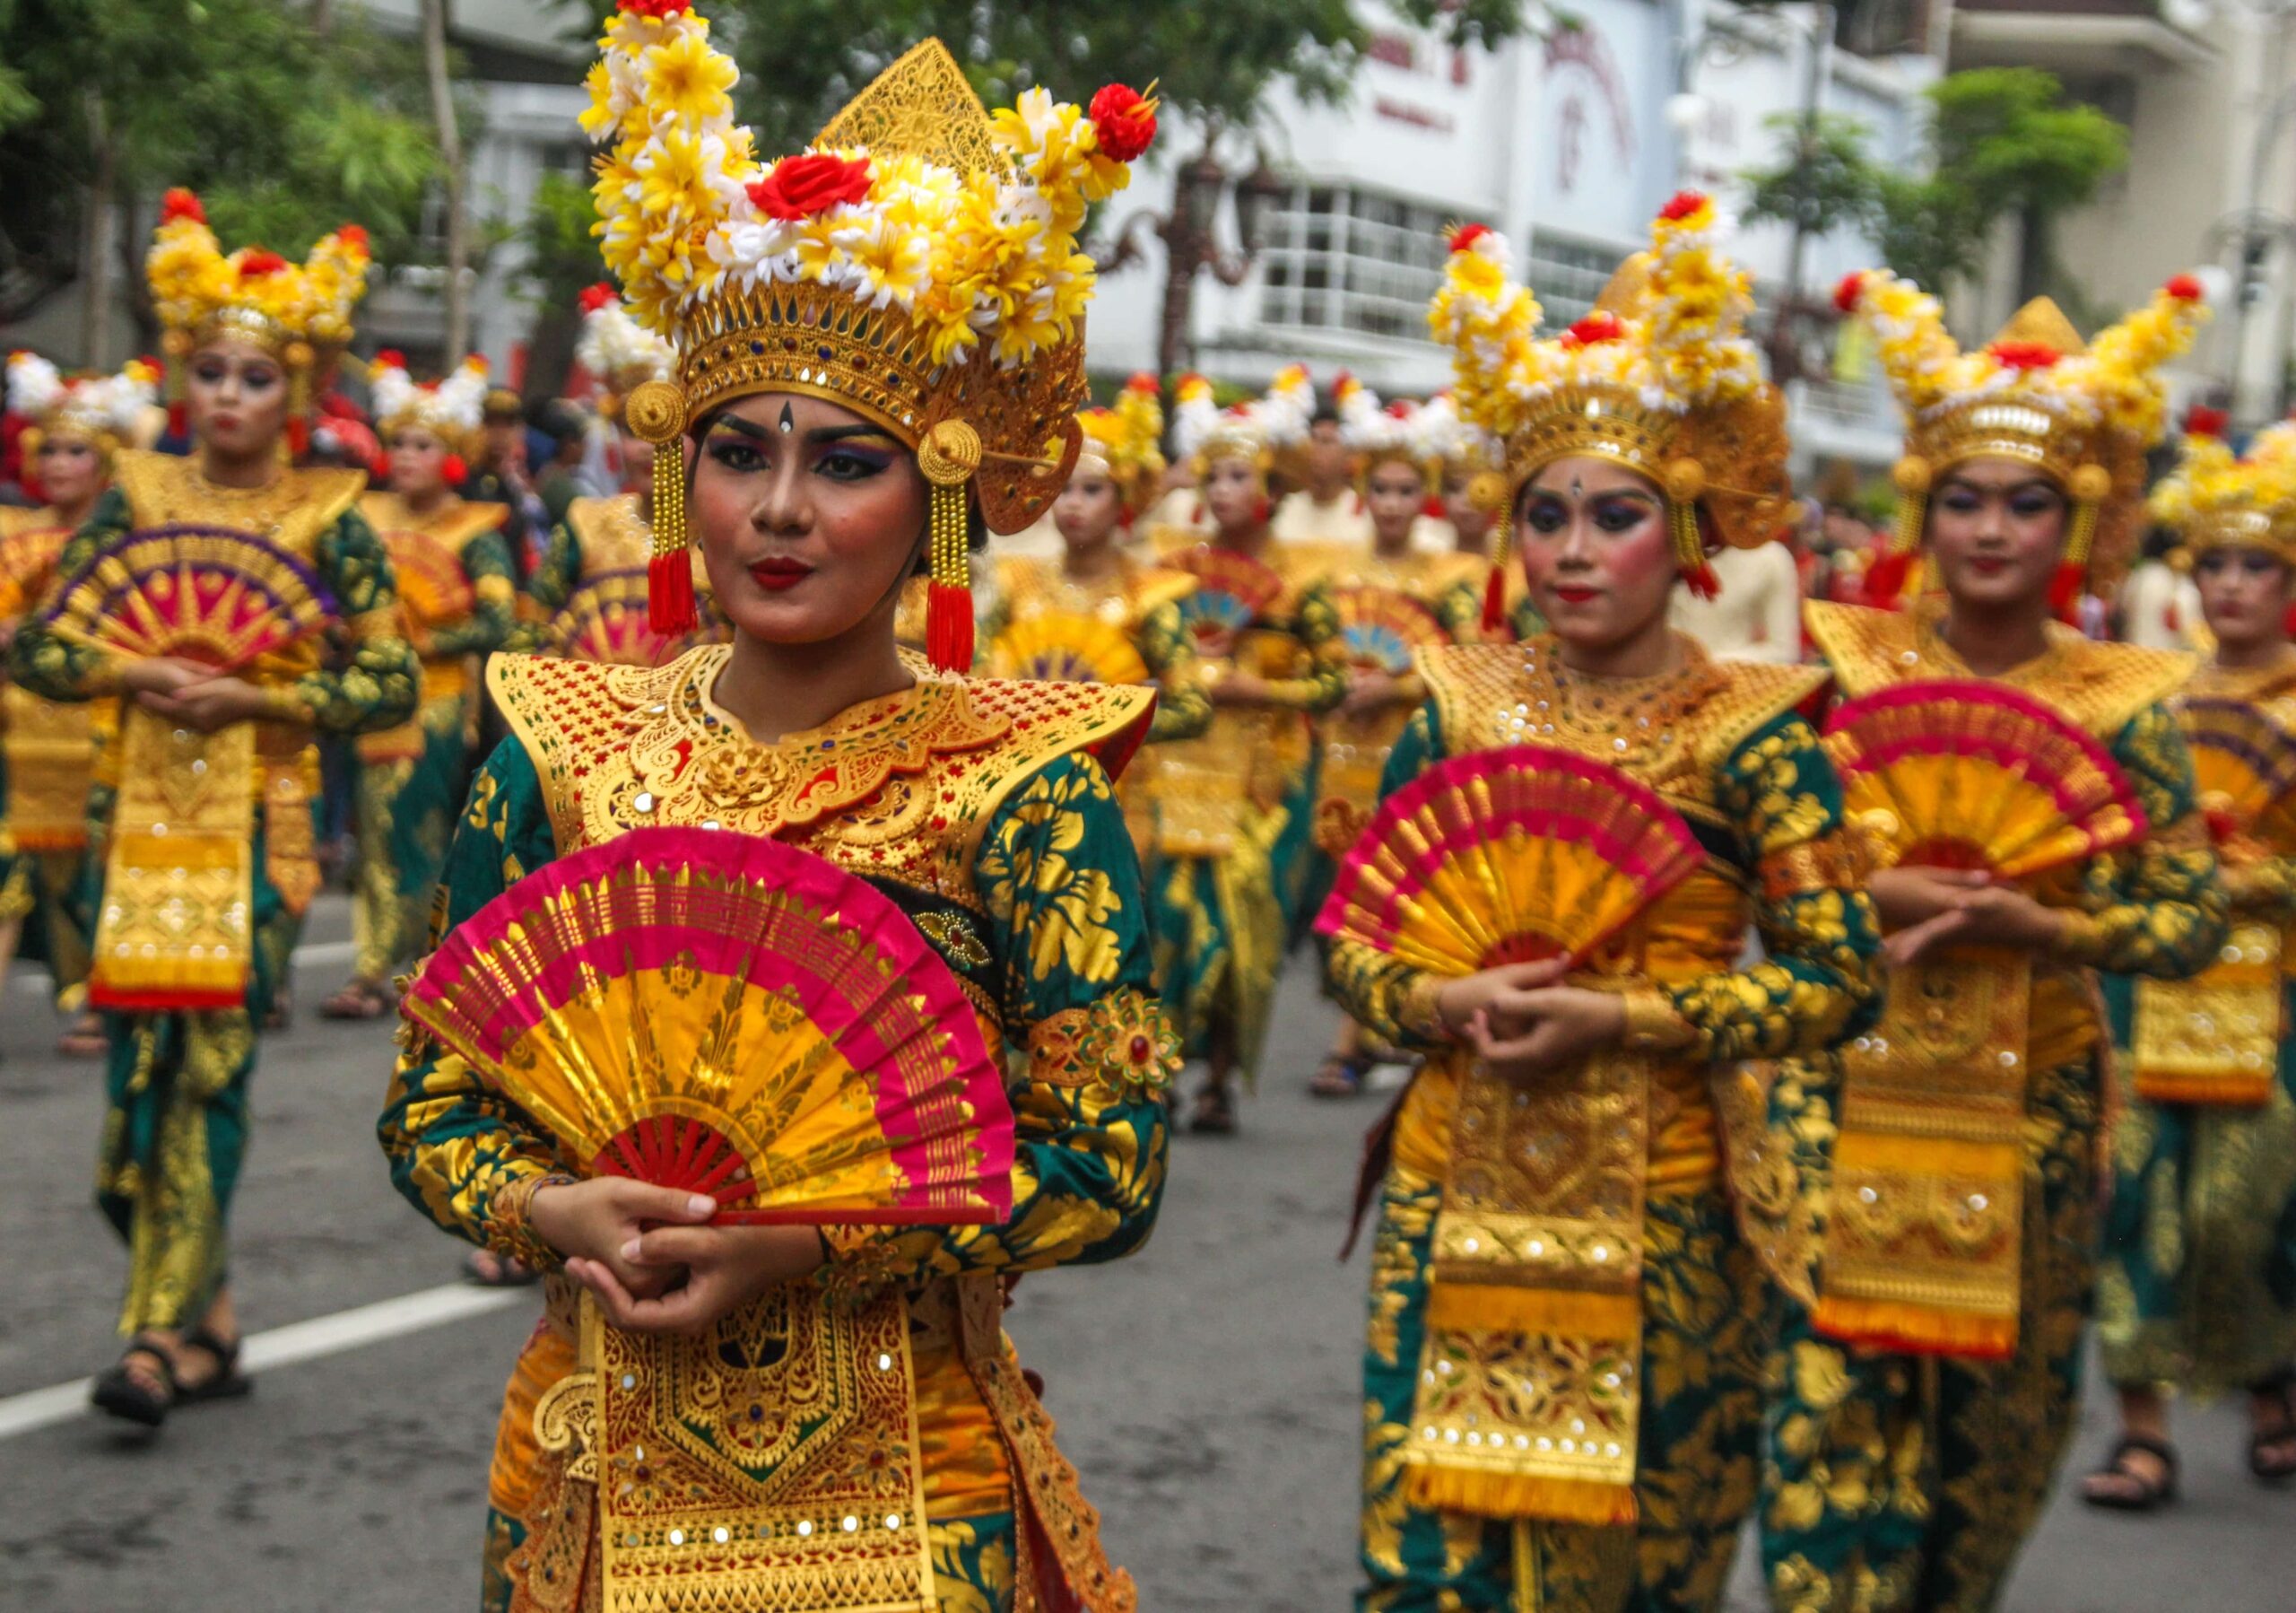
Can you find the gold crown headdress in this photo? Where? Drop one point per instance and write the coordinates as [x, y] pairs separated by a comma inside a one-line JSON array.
[[300, 313], [1257, 429], [1125, 441], [2082, 414], [2215, 499], [1660, 379], [917, 264], [103, 410], [1403, 432], [451, 410], [620, 354]]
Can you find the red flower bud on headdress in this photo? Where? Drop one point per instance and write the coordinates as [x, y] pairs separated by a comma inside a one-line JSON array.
[[1399, 410], [598, 296], [180, 203], [2185, 288], [390, 358], [1682, 205], [2024, 355], [1125, 120], [656, 8], [353, 236], [812, 183], [1600, 326], [1463, 237], [2201, 421], [258, 262], [1852, 287], [1144, 383]]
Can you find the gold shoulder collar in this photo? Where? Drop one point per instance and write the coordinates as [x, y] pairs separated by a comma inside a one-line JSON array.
[[453, 526], [613, 537], [166, 490], [1155, 587], [15, 521], [1463, 678], [1753, 695], [2274, 685], [1866, 647], [619, 747]]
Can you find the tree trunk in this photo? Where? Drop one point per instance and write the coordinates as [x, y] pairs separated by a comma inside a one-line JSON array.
[[450, 161], [95, 233], [1183, 242], [2034, 256]]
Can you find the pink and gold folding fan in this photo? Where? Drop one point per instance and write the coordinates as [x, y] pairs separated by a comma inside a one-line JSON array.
[[1506, 857], [206, 594], [1383, 628], [431, 582], [1971, 775], [732, 1016]]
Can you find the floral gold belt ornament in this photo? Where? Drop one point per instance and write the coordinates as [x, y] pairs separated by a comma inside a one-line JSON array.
[[176, 931], [1923, 1249], [727, 1014], [1384, 630], [1529, 1395], [2215, 1039]]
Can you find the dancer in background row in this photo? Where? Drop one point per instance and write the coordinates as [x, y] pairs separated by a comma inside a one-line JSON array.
[[1563, 1375], [74, 430], [1234, 807], [930, 1477], [205, 807], [456, 593], [1323, 504], [1474, 486], [2030, 802], [1402, 593], [2197, 1291]]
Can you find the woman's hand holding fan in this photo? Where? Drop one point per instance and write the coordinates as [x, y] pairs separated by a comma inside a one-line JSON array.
[[653, 1261], [1522, 1021]]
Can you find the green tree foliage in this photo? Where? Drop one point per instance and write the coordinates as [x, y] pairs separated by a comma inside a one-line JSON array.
[[2002, 143], [561, 257], [286, 129]]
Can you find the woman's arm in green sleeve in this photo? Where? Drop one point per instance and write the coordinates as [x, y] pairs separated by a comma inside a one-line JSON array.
[[552, 583], [460, 1151], [2159, 911], [1392, 1000], [1822, 980], [379, 687], [1459, 608], [1317, 626], [2261, 887], [1182, 710], [52, 666], [486, 562], [1066, 911]]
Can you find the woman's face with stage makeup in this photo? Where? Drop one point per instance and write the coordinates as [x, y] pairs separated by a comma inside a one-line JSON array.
[[1596, 552], [2244, 593], [235, 393], [810, 518], [1997, 531]]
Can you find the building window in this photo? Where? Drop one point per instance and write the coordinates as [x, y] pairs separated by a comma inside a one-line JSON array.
[[1568, 275], [1343, 258]]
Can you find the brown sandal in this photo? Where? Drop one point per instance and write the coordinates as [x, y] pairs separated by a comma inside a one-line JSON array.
[[2145, 1492], [85, 1040], [358, 1000], [2271, 1451], [1213, 1115]]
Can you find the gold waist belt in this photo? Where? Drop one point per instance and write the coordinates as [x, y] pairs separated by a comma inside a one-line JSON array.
[[1923, 1249], [1208, 790], [2215, 1039], [51, 753]]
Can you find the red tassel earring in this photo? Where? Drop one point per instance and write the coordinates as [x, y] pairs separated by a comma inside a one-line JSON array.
[[655, 412], [948, 455]]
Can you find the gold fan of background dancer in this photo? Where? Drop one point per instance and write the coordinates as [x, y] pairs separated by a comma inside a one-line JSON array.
[[2197, 1289], [204, 806], [1234, 808], [1924, 1405], [841, 439], [457, 590], [72, 430], [1562, 1373], [1407, 590], [587, 598]]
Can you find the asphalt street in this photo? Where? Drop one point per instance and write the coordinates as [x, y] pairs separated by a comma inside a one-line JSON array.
[[1206, 1389]]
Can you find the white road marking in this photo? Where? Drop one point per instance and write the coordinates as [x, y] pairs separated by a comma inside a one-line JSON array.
[[297, 1342], [317, 954]]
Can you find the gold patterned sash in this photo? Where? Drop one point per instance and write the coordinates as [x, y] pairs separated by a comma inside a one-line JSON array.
[[1529, 1391], [2214, 1039], [51, 751], [1923, 1249], [770, 1462], [177, 928]]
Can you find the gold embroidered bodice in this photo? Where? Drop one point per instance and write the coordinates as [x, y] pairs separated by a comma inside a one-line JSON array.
[[166, 490], [611, 535], [1029, 588]]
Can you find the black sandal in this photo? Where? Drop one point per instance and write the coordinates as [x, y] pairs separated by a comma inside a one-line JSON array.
[[226, 1382], [121, 1393], [2150, 1494], [1339, 1076], [1214, 1114], [2262, 1442]]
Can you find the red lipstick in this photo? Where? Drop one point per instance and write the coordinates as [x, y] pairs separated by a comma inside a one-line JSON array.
[[774, 576], [1575, 594]]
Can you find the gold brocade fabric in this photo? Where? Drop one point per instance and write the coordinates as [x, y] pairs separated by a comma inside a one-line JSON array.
[[1922, 1250], [790, 1459], [1529, 1392], [613, 534], [51, 755], [434, 593]]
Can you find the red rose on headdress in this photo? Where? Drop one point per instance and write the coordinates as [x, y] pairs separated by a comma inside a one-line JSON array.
[[800, 187], [1682, 205], [1600, 326], [1463, 237], [2185, 288], [1125, 120], [258, 262], [596, 297], [180, 203], [2024, 355], [2201, 421], [1143, 382], [390, 358], [353, 236], [1852, 287], [656, 8]]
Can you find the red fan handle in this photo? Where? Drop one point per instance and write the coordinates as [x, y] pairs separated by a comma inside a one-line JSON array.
[[674, 1151]]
